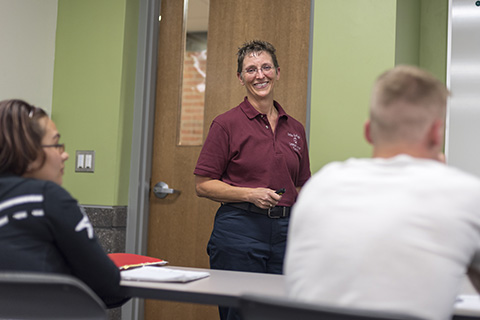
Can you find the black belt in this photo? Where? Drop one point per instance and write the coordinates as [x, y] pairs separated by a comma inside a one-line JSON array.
[[274, 213]]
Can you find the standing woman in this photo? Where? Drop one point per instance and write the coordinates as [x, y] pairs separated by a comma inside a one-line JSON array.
[[254, 161], [42, 228]]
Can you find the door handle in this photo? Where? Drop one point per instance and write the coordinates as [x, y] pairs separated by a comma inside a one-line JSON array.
[[161, 190]]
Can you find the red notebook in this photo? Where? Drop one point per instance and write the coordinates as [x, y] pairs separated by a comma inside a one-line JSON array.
[[126, 261]]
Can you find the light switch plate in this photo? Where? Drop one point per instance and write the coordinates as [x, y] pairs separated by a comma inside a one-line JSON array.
[[84, 161]]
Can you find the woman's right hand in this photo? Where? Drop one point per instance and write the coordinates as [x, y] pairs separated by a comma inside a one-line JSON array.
[[217, 190], [264, 198]]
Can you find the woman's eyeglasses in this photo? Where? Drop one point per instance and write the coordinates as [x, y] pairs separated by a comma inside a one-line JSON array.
[[253, 70], [59, 146]]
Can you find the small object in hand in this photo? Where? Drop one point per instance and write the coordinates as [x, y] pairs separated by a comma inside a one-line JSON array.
[[280, 191]]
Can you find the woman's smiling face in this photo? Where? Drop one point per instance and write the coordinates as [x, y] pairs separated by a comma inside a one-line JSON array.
[[259, 75]]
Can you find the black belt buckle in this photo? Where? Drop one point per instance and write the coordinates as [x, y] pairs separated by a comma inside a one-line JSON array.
[[282, 215]]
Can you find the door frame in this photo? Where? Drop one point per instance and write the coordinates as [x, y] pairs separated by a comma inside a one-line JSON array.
[[142, 134], [142, 140]]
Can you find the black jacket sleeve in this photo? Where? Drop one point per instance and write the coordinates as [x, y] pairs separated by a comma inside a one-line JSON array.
[[76, 241]]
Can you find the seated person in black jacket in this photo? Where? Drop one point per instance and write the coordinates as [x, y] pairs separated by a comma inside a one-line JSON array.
[[42, 228]]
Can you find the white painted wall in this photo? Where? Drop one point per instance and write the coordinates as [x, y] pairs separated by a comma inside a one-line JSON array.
[[27, 50]]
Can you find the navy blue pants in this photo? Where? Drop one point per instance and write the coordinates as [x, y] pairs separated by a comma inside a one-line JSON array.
[[245, 241]]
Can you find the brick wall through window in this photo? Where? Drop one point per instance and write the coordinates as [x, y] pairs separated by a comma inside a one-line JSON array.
[[193, 97]]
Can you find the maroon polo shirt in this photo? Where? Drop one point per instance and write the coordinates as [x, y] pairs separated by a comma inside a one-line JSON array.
[[242, 150]]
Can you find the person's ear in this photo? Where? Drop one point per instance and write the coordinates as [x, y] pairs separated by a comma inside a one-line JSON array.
[[435, 134], [31, 169], [34, 165], [240, 78], [367, 132]]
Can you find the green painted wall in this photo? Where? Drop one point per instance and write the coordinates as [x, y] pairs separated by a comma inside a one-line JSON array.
[[93, 94], [407, 33], [434, 36], [355, 41]]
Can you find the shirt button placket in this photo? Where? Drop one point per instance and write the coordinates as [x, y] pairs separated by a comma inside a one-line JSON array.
[[266, 121]]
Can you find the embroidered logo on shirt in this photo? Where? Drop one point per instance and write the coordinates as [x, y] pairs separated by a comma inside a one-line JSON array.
[[294, 144], [85, 224]]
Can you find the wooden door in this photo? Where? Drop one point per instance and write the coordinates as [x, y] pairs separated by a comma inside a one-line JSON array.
[[180, 224]]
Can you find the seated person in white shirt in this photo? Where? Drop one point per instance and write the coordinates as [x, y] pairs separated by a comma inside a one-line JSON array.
[[396, 232]]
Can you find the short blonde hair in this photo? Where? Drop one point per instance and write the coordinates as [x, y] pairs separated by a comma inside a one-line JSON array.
[[405, 101]]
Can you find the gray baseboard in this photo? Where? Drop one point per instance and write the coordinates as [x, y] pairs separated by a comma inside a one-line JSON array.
[[110, 225]]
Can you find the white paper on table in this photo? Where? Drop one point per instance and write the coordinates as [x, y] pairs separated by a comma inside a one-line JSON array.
[[162, 274], [468, 302]]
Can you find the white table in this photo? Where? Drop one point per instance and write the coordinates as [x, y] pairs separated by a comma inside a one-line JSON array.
[[225, 288], [469, 301], [220, 288]]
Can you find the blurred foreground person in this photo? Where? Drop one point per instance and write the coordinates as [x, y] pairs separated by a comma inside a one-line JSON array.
[[396, 232]]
